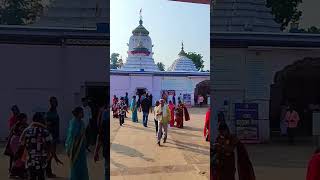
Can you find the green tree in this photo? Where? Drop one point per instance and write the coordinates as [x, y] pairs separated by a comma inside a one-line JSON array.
[[120, 62], [196, 59], [114, 61], [285, 11], [161, 66], [20, 12], [310, 30]]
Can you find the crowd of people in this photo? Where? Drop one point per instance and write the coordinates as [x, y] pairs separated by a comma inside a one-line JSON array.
[[31, 146], [165, 112]]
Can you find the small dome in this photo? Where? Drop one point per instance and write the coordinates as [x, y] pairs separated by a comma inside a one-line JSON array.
[[183, 63], [140, 30]]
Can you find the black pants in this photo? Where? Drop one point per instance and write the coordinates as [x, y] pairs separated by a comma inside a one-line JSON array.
[[291, 135], [10, 163], [121, 119], [36, 174], [156, 124]]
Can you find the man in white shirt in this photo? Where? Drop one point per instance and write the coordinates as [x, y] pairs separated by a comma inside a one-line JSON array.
[[87, 116]]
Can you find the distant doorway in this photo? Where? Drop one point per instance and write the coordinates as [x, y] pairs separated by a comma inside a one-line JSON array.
[[203, 89], [141, 91], [298, 85]]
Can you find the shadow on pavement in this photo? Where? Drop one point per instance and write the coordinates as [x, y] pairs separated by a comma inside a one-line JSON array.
[[193, 128], [118, 165], [128, 151], [174, 131], [182, 146]]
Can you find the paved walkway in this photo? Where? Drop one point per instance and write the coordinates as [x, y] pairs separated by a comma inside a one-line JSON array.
[[96, 170], [135, 154]]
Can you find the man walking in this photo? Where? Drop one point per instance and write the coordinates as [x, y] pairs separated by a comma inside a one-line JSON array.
[[52, 123], [87, 117], [163, 116], [291, 119], [145, 106]]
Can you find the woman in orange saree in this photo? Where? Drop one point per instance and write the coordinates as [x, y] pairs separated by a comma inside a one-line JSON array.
[[171, 107], [181, 113]]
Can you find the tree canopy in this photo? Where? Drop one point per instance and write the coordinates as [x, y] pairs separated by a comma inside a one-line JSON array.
[[310, 30], [114, 61], [196, 59], [285, 11], [20, 12], [161, 66]]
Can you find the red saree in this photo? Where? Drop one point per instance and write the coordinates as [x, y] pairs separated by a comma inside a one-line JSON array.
[[224, 167], [171, 107], [181, 112], [313, 172], [206, 129]]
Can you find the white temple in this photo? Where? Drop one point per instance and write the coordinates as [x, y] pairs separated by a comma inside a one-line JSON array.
[[140, 74], [140, 55], [183, 63]]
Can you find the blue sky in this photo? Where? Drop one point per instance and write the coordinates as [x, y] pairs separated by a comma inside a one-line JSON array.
[[168, 22]]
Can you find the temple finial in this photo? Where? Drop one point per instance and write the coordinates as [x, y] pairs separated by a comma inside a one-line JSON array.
[[140, 13], [182, 45]]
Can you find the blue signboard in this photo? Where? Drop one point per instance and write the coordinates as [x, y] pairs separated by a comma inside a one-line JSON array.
[[247, 118]]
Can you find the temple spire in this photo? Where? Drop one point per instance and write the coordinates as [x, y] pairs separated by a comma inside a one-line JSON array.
[[140, 13], [182, 53]]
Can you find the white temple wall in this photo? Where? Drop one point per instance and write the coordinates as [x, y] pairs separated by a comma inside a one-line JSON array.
[[246, 75], [30, 74], [153, 84]]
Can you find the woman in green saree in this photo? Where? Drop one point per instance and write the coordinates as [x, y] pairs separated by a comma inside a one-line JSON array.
[[76, 147], [134, 109]]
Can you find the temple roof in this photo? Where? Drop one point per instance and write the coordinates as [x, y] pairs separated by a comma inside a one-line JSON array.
[[183, 63], [74, 14], [140, 30], [243, 15]]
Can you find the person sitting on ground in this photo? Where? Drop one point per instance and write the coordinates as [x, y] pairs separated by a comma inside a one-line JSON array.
[[313, 172]]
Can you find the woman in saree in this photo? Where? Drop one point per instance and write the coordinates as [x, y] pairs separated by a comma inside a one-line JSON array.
[[76, 147], [206, 129], [114, 107], [171, 108], [134, 109], [223, 157], [18, 165], [181, 113], [313, 172]]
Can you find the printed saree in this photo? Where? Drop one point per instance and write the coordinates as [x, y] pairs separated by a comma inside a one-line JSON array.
[[223, 160]]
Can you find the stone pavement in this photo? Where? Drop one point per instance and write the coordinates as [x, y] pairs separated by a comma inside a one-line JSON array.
[[135, 154], [96, 170]]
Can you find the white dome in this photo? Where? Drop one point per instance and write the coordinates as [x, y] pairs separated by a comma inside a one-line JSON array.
[[183, 63]]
